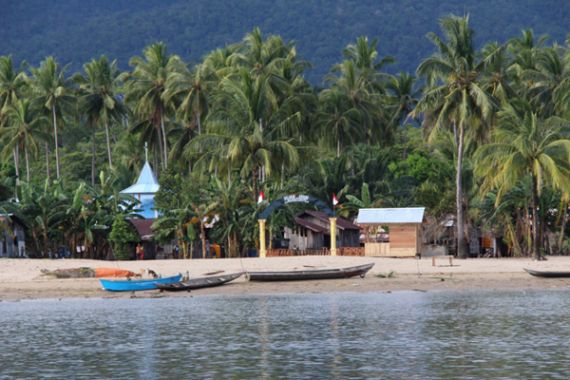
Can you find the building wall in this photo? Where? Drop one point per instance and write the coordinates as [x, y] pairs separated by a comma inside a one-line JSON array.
[[404, 242], [302, 238], [12, 241], [345, 238], [377, 249], [147, 206], [349, 238]]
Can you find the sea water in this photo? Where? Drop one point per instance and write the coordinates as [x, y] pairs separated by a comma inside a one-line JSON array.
[[399, 335]]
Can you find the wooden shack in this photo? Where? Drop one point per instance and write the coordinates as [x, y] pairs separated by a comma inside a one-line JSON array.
[[12, 236], [403, 226], [143, 228], [312, 231]]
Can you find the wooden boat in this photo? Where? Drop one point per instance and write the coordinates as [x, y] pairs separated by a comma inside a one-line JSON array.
[[547, 273], [198, 283], [312, 274], [135, 285], [86, 272]]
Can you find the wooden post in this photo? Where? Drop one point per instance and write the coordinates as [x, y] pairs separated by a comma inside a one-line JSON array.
[[262, 246], [333, 236]]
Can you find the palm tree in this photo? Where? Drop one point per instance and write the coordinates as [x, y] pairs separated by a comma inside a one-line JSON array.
[[361, 95], [12, 83], [455, 98], [526, 146], [402, 97], [230, 196], [247, 130], [53, 91], [146, 87], [338, 121], [99, 99], [22, 133], [365, 54], [351, 207], [549, 82], [188, 88]]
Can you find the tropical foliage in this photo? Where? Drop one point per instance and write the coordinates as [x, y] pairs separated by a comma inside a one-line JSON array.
[[480, 136]]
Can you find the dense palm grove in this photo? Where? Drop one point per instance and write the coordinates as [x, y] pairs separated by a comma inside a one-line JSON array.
[[480, 134]]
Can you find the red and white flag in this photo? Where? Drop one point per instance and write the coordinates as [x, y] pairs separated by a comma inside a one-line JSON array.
[[334, 200], [261, 197]]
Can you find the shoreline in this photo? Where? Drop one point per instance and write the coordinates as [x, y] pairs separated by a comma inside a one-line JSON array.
[[21, 279]]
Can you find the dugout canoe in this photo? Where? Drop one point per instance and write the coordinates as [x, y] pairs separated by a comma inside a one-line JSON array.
[[547, 273], [312, 274], [199, 283], [136, 285]]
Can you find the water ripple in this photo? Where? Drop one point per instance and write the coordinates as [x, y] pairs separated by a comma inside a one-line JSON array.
[[411, 335]]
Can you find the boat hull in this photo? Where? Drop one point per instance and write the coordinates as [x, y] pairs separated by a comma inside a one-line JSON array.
[[318, 274], [137, 285], [199, 283], [547, 274]]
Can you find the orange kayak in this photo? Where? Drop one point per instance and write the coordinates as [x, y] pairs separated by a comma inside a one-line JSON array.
[[113, 272]]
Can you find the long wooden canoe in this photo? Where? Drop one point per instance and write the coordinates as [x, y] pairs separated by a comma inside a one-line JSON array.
[[312, 274], [135, 285], [547, 273], [198, 283]]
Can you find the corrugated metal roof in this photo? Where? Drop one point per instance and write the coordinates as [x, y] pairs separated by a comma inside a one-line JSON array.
[[143, 227], [341, 223], [311, 226], [146, 183], [390, 215]]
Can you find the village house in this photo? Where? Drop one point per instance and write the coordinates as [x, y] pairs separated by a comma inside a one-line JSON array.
[[312, 232], [12, 237]]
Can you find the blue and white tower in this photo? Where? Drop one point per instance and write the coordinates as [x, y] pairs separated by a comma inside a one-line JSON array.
[[144, 190]]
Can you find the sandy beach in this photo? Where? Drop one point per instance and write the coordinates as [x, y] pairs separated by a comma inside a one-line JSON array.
[[23, 279]]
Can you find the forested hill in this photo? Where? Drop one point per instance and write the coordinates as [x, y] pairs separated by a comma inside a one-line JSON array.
[[76, 31]]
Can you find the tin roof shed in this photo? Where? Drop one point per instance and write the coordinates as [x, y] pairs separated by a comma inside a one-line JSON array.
[[390, 215]]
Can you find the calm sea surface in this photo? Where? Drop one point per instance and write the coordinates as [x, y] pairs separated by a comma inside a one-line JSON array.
[[400, 335]]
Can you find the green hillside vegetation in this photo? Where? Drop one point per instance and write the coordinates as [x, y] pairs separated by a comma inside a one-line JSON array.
[[485, 138], [75, 31]]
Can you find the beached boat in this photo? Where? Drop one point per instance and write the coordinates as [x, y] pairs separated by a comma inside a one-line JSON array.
[[198, 283], [135, 285], [547, 273], [86, 272], [310, 274]]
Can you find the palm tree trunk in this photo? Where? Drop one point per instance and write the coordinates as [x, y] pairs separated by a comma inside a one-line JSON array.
[[47, 161], [164, 141], [108, 146], [93, 156], [338, 148], [535, 222], [229, 248], [461, 248], [17, 163], [562, 229], [56, 142], [203, 238], [27, 164], [254, 183], [160, 149], [199, 123]]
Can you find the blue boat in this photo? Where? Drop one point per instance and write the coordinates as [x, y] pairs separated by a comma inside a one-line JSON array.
[[134, 285]]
